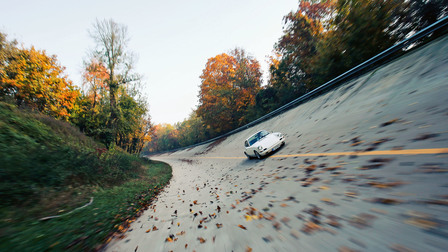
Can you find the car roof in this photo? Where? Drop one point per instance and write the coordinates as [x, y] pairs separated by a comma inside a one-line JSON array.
[[255, 134]]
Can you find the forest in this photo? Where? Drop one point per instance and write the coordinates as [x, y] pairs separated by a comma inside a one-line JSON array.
[[321, 40]]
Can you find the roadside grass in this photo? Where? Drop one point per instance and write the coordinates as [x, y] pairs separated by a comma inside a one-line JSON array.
[[87, 229], [48, 167]]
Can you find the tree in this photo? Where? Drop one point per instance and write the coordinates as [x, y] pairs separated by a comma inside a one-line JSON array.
[[134, 125], [229, 84], [111, 50], [165, 137], [191, 130], [290, 73], [33, 79], [95, 76], [359, 30]]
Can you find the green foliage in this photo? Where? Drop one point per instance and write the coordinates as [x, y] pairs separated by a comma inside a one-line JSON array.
[[87, 229], [132, 124], [49, 167], [359, 31], [38, 151]]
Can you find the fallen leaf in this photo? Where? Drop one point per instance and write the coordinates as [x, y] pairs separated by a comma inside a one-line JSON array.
[[386, 201], [362, 220], [295, 233], [380, 211], [309, 227], [421, 223], [154, 228], [218, 225], [328, 201], [400, 248], [389, 122], [351, 194], [267, 238], [248, 249], [243, 227], [201, 240], [276, 225], [149, 230], [346, 249]]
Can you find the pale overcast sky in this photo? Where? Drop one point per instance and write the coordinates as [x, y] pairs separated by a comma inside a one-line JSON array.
[[172, 38]]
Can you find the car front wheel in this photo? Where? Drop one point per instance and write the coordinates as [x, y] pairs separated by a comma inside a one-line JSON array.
[[249, 157], [257, 155]]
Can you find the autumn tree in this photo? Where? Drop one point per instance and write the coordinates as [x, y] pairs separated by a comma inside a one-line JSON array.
[[290, 74], [165, 137], [95, 76], [93, 112], [229, 84], [111, 50], [36, 80]]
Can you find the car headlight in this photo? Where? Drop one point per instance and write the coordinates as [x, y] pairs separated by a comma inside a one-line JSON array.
[[260, 147]]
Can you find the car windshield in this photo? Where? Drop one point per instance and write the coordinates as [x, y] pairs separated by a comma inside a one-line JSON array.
[[256, 137]]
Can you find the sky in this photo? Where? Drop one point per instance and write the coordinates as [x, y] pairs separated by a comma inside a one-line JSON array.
[[173, 39]]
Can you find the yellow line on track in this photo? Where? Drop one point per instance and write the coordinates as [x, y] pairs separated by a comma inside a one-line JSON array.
[[365, 153]]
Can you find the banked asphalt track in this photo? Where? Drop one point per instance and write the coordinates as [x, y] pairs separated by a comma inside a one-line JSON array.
[[364, 168]]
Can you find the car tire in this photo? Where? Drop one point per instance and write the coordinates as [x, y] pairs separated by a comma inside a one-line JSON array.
[[248, 157], [257, 155]]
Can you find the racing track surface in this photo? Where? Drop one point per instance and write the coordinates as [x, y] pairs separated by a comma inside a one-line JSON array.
[[365, 167]]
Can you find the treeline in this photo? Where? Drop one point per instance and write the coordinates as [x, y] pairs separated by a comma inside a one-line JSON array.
[[321, 40], [109, 107]]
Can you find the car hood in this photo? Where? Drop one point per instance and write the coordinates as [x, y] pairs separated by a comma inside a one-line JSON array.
[[267, 141]]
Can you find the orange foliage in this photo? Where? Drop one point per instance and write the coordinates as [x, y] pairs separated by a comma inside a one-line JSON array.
[[95, 76], [34, 79], [229, 86]]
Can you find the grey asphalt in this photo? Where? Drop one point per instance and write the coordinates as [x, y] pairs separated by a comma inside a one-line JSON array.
[[218, 200]]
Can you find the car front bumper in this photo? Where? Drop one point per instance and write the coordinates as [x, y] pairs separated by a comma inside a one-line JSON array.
[[272, 148]]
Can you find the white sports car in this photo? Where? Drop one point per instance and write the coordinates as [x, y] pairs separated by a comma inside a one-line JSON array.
[[262, 143]]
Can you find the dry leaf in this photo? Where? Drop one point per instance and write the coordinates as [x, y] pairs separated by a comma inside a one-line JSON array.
[[309, 227], [346, 249], [295, 233], [201, 240], [243, 227], [400, 248], [421, 223], [351, 194]]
